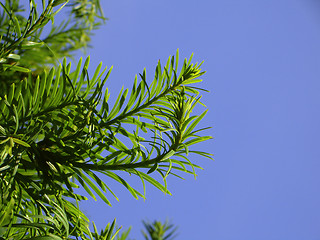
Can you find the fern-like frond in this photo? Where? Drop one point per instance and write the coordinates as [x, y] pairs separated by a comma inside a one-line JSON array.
[[63, 128]]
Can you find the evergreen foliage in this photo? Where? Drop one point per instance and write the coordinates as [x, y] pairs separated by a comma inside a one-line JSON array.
[[58, 131], [159, 231]]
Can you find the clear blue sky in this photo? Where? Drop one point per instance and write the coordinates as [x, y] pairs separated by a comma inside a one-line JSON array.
[[263, 66]]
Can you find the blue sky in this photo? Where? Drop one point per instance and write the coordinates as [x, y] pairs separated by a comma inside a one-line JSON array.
[[263, 66]]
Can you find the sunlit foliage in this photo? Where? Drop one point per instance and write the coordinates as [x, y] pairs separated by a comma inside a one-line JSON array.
[[58, 131]]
